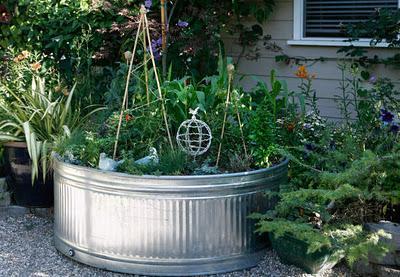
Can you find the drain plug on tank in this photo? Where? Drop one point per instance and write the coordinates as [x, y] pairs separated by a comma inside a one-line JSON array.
[[71, 252]]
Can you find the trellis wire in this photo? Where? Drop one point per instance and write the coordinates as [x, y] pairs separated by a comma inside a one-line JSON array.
[[190, 141]]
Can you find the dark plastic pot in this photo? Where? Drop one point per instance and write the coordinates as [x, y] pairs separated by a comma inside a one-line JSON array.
[[2, 171], [293, 251], [18, 167], [2, 164]]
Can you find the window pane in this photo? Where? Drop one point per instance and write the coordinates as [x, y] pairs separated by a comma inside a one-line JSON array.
[[326, 18]]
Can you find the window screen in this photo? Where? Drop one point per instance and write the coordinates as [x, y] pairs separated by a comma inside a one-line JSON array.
[[326, 18]]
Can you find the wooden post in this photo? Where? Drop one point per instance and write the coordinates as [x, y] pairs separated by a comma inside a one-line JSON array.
[[158, 83]]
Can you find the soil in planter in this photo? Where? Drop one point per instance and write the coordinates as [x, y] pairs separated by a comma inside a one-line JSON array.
[[293, 251], [18, 165]]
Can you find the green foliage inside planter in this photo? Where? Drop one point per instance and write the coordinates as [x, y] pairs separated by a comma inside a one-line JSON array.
[[172, 162], [142, 125]]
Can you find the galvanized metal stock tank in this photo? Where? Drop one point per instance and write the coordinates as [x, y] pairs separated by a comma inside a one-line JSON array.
[[161, 225]]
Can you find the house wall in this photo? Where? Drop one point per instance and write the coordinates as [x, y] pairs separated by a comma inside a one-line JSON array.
[[328, 76]]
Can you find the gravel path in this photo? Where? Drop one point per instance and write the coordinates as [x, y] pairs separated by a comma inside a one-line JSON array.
[[26, 249]]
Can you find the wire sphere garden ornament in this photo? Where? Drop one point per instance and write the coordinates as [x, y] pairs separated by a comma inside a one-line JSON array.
[[194, 136]]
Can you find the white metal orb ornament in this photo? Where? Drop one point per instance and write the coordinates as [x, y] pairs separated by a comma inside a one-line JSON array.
[[194, 136]]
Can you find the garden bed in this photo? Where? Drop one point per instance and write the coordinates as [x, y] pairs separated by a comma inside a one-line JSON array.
[[162, 225]]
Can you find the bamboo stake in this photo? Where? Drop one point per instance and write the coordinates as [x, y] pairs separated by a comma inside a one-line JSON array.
[[241, 133], [146, 77], [158, 82], [142, 16], [232, 68], [225, 113], [127, 96]]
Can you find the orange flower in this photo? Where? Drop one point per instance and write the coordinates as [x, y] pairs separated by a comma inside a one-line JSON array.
[[36, 66], [24, 54], [290, 127], [128, 117], [65, 92], [302, 72]]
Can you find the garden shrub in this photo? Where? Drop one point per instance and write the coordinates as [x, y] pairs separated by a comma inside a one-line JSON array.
[[343, 175], [87, 33], [78, 38]]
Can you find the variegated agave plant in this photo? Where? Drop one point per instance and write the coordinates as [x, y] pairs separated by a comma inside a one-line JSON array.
[[40, 118]]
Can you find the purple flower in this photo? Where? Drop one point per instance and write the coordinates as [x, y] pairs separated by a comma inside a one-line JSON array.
[[307, 125], [386, 116], [372, 79], [394, 128], [155, 48], [157, 55], [182, 24], [148, 4], [156, 43], [156, 52]]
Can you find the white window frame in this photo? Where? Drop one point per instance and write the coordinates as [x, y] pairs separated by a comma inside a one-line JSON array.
[[298, 34]]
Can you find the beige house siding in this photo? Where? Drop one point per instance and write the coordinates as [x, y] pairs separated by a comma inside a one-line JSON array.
[[280, 27]]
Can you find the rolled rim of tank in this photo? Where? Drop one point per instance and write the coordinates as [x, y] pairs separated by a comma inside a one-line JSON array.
[[167, 183]]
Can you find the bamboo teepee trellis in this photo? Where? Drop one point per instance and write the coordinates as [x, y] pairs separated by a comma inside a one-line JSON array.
[[143, 27]]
